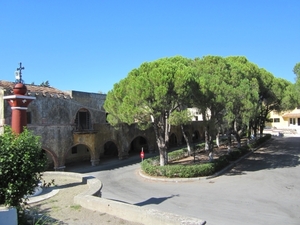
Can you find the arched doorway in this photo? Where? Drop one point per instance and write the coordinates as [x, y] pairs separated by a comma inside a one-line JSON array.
[[110, 150], [78, 153], [173, 140], [52, 160], [137, 144], [202, 135], [196, 136]]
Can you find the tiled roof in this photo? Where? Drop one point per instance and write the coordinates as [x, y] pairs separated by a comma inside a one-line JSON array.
[[292, 115], [35, 89]]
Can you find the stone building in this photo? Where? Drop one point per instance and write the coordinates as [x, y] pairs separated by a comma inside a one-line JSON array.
[[73, 127]]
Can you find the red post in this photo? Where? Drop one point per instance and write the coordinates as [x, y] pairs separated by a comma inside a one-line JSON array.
[[19, 102], [142, 154]]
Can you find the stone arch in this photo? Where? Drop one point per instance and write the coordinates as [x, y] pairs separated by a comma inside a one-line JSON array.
[[196, 136], [173, 140], [111, 149], [137, 144], [78, 153], [83, 120], [51, 155], [202, 134]]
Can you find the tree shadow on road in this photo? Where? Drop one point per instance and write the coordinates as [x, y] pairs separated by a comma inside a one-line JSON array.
[[279, 153], [154, 201], [149, 201]]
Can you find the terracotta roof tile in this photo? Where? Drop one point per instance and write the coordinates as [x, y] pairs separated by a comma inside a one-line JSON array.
[[292, 115], [35, 89]]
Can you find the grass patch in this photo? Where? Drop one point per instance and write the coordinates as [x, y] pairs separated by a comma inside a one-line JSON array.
[[55, 208], [52, 200], [75, 207]]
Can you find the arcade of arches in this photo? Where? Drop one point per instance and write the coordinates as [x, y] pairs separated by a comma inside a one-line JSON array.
[[83, 151]]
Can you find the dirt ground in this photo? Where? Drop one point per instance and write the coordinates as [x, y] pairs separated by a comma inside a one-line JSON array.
[[60, 209], [201, 157]]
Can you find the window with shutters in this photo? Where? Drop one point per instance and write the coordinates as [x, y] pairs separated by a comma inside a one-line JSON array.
[[82, 120]]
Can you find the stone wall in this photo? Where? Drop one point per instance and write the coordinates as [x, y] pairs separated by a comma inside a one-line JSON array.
[[54, 115]]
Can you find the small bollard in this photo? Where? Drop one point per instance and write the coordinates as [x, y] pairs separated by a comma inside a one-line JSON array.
[[142, 154]]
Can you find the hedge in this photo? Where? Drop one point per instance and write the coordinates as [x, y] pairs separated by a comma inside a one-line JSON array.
[[151, 165]]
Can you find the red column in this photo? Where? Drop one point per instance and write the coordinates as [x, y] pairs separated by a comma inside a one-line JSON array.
[[19, 102], [17, 120]]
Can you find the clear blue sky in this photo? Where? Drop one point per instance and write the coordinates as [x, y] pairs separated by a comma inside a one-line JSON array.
[[91, 45]]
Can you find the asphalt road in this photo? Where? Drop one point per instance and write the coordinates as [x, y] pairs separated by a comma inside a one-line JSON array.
[[264, 188]]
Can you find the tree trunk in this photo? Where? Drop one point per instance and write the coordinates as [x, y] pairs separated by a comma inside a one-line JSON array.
[[166, 132], [263, 120], [209, 143], [161, 144], [211, 149], [186, 140], [228, 140], [249, 133], [237, 134], [211, 156], [206, 140], [218, 140], [238, 139]]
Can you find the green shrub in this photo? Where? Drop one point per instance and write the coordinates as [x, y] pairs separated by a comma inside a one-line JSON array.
[[244, 149], [182, 171], [228, 157], [149, 166], [220, 163], [200, 145], [172, 171], [178, 154], [235, 154], [21, 165]]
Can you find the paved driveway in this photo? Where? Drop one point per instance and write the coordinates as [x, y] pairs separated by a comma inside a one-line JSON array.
[[263, 189]]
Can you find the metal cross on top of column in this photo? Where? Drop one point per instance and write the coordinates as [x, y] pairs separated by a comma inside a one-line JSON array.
[[18, 74]]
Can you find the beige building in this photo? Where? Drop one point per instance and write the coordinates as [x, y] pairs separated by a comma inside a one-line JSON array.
[[285, 120]]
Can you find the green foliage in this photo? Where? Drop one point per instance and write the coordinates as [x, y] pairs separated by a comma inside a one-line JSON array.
[[231, 93], [172, 171], [179, 154], [296, 70], [296, 89], [180, 117], [75, 207], [45, 84], [21, 165], [221, 163], [148, 92], [150, 166], [242, 90]]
